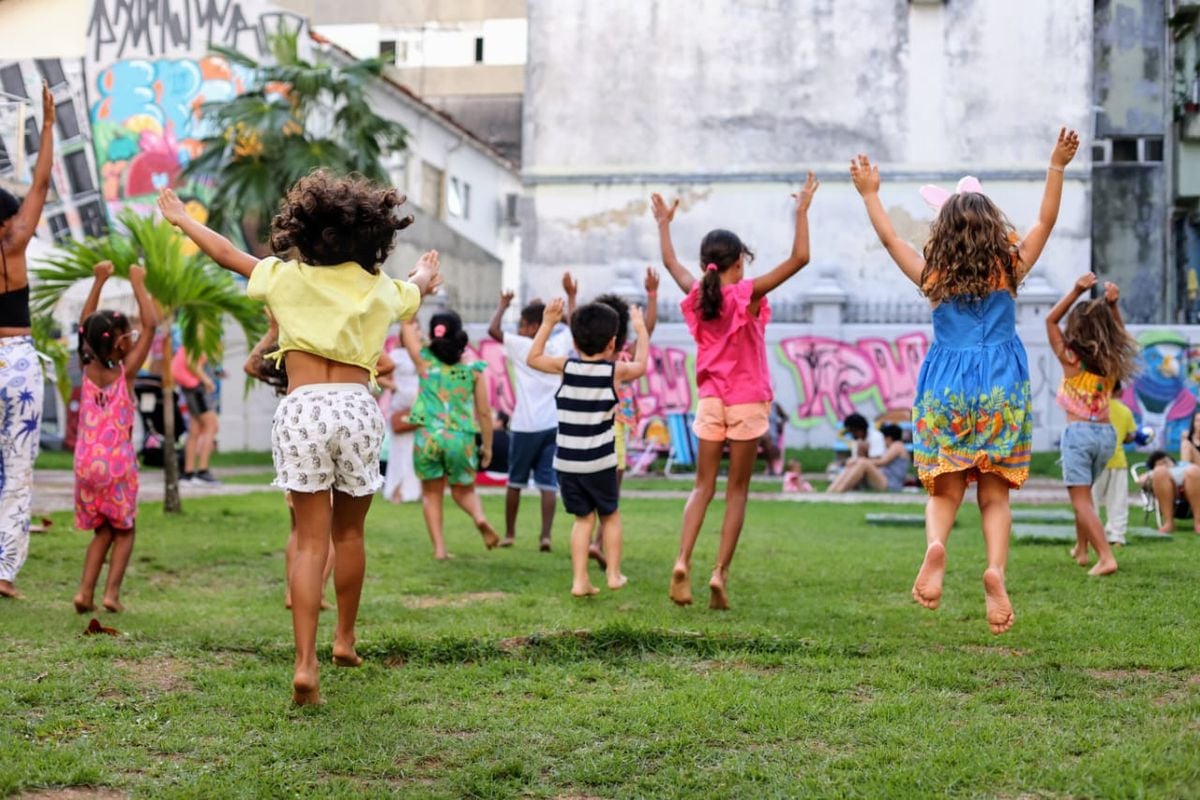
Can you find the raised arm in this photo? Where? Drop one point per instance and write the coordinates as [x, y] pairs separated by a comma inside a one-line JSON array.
[[1057, 342], [427, 274], [494, 331], [24, 222], [214, 245], [632, 370], [410, 336], [101, 272], [798, 258], [571, 288], [866, 179], [257, 358], [663, 215], [1031, 246], [148, 313], [1112, 296], [537, 352], [483, 418], [651, 300]]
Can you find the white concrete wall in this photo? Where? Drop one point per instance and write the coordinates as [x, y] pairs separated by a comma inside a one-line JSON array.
[[43, 28]]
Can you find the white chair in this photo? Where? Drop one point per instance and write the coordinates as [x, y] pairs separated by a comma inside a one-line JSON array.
[[1140, 474]]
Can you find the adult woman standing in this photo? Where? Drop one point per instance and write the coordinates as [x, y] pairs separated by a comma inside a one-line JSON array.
[[21, 381]]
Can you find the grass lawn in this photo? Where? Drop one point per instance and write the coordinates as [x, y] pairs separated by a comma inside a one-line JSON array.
[[486, 679]]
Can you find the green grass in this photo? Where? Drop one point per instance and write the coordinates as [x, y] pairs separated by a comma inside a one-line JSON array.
[[485, 679], [65, 459]]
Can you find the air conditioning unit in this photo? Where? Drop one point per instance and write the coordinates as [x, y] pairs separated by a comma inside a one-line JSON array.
[[511, 203]]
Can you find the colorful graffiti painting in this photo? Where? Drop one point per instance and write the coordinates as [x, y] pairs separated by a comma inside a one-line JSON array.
[[1164, 392]]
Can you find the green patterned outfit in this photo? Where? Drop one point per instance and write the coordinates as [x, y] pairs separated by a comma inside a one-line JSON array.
[[445, 445]]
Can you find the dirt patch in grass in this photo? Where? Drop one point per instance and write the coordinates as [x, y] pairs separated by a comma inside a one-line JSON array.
[[453, 601], [1188, 685], [166, 675], [74, 793], [1125, 674], [991, 650]]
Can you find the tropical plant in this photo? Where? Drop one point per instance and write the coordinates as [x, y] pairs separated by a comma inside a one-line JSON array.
[[296, 116], [193, 293], [49, 342]]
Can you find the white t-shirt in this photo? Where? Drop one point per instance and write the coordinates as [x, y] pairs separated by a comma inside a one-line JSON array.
[[876, 446], [535, 409]]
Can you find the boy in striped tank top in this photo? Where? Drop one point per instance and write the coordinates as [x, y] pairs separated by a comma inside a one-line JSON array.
[[586, 459]]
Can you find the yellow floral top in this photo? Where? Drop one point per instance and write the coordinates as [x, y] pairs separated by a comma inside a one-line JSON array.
[[1085, 395]]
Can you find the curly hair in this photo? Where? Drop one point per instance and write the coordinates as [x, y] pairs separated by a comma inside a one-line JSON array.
[[447, 339], [971, 244], [331, 220], [1103, 345], [98, 337], [619, 305], [722, 248]]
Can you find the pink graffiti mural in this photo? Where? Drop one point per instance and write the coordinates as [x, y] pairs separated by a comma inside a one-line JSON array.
[[832, 376]]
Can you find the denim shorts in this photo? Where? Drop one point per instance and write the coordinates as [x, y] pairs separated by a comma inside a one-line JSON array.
[[532, 452], [1086, 449]]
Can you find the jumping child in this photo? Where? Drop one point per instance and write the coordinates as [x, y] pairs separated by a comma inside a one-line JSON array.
[[973, 411], [451, 408], [106, 477], [334, 306], [727, 315], [1095, 352], [585, 455]]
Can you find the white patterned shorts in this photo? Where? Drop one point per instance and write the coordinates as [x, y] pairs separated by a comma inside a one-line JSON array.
[[328, 435]]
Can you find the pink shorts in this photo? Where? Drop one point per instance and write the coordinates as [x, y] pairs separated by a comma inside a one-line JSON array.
[[741, 422]]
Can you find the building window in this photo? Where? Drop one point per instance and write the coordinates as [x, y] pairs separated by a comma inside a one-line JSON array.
[[60, 229], [1124, 150], [52, 71], [478, 49], [78, 173], [387, 52], [12, 82], [458, 199], [92, 216], [5, 161], [433, 182], [1130, 150], [1152, 149], [32, 139], [68, 121], [1099, 153]]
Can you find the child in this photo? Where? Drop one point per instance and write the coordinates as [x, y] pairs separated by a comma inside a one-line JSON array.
[[452, 406], [793, 479], [626, 419], [106, 478], [727, 314], [1112, 487], [973, 415], [534, 424], [1095, 352], [334, 307], [401, 484], [585, 457]]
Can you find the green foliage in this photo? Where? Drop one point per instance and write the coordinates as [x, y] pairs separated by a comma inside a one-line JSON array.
[[189, 288], [48, 340], [297, 116]]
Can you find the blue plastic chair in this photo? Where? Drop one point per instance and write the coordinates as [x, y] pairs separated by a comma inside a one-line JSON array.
[[684, 444]]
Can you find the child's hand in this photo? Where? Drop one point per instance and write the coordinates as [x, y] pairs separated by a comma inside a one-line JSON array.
[[1112, 293], [1085, 282], [485, 456], [570, 285], [426, 274], [804, 197], [506, 299], [865, 175], [137, 274], [553, 313], [637, 320], [172, 207], [663, 214], [49, 110], [651, 283], [104, 270], [1064, 148]]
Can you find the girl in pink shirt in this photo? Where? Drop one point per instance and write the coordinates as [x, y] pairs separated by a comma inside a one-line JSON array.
[[727, 314]]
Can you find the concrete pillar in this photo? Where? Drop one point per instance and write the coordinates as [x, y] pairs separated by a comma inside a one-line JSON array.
[[827, 299]]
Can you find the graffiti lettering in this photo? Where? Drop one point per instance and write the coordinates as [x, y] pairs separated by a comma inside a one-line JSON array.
[[159, 27]]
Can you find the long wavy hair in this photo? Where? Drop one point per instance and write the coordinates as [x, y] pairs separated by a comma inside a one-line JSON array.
[[971, 243], [1103, 345]]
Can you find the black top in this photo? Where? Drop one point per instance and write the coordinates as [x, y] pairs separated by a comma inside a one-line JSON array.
[[14, 305]]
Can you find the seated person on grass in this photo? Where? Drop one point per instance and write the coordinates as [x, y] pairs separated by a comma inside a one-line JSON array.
[[1176, 487], [884, 473]]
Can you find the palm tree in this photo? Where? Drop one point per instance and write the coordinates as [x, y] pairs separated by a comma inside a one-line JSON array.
[[191, 291], [295, 117]]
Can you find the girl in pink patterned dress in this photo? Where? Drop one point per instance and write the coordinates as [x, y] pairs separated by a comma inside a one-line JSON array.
[[106, 480]]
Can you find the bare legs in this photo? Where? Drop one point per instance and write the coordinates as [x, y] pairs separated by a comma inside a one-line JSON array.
[[1087, 520], [997, 526], [432, 495], [857, 471], [512, 504], [105, 538], [350, 565], [468, 501], [1165, 491], [742, 455], [289, 556], [940, 511]]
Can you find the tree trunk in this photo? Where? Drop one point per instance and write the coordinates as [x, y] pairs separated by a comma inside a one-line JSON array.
[[171, 502]]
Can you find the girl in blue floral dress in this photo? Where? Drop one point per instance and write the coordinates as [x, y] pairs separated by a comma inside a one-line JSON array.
[[451, 409], [973, 415]]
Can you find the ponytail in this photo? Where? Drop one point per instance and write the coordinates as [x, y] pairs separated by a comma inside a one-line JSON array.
[[719, 251], [447, 339], [98, 336]]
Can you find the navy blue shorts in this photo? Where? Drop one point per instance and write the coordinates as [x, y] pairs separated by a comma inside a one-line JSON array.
[[532, 452], [589, 492]]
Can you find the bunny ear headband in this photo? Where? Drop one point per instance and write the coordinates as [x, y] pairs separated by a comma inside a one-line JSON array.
[[935, 196]]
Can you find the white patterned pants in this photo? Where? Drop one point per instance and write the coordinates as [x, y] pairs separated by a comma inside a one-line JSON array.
[[1112, 490], [21, 389]]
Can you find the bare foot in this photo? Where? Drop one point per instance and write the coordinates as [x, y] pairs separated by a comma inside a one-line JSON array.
[[306, 689], [927, 589], [113, 605], [584, 591], [1103, 567], [1167, 527], [83, 604], [681, 586], [1080, 555], [287, 601], [617, 581], [345, 656], [507, 541], [597, 555], [490, 540], [544, 544], [718, 597], [442, 556], [8, 590], [325, 605], [999, 611]]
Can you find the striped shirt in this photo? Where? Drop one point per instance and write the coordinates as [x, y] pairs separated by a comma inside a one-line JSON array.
[[586, 404]]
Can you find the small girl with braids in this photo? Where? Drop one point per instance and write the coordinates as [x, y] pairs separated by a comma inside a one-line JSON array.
[[106, 479], [727, 314]]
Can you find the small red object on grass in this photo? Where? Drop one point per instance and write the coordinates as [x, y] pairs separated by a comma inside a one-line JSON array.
[[94, 627]]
